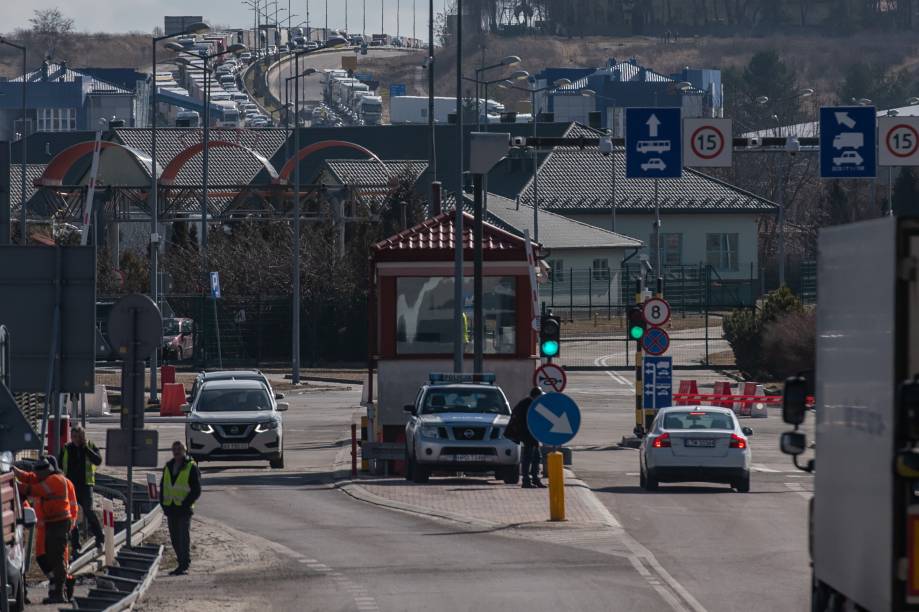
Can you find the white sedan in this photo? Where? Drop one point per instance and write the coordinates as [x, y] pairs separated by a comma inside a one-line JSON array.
[[696, 444]]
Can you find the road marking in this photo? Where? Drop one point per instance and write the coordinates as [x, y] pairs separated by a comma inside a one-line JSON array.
[[798, 488], [763, 468], [601, 362]]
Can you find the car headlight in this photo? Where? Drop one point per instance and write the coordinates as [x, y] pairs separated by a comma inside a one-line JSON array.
[[263, 427], [202, 427], [430, 431]]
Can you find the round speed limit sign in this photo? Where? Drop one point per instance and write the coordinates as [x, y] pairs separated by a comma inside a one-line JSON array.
[[899, 141], [656, 311], [707, 142]]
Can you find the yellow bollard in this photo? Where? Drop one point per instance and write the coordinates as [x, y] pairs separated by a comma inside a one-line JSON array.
[[556, 487]]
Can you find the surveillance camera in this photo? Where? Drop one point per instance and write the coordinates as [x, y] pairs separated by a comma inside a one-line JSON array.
[[792, 145], [518, 141], [606, 146]]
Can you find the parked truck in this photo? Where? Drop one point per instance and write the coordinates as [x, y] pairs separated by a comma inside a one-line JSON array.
[[864, 516], [369, 108], [414, 109]]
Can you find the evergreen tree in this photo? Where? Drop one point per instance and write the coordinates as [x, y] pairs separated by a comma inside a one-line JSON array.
[[906, 192]]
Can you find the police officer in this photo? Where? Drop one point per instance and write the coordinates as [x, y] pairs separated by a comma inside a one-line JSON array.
[[78, 462], [179, 489]]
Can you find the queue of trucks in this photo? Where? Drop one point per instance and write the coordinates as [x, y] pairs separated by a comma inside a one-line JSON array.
[[351, 98]]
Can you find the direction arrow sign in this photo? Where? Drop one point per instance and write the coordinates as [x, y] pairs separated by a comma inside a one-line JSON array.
[[656, 311], [653, 143], [550, 377], [215, 285], [707, 143], [655, 341], [657, 382], [898, 139], [848, 142], [554, 419]]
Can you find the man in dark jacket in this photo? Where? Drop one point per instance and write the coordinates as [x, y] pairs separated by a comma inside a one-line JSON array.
[[78, 462], [519, 431], [180, 488]]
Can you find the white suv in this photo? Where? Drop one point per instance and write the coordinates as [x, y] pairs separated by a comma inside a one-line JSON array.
[[235, 420]]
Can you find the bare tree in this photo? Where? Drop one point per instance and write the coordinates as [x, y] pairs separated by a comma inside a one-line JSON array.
[[50, 26]]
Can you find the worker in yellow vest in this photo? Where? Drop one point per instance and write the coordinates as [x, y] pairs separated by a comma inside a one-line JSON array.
[[180, 488], [78, 462]]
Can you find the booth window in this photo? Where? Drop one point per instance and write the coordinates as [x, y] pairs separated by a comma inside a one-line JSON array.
[[424, 315]]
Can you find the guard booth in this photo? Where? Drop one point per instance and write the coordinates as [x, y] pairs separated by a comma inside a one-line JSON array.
[[412, 321]]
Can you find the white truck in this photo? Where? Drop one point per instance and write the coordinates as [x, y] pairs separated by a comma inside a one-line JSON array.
[[369, 108], [864, 516], [414, 109]]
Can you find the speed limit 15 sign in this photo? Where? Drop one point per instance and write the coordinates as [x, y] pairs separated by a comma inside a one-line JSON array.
[[898, 141], [707, 143]]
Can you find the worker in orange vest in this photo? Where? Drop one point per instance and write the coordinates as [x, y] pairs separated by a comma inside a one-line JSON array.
[[56, 497]]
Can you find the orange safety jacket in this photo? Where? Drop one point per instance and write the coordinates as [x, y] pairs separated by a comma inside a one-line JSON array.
[[55, 493], [40, 518]]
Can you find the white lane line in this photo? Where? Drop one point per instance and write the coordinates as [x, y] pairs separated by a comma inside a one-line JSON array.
[[602, 362], [798, 488], [763, 468]]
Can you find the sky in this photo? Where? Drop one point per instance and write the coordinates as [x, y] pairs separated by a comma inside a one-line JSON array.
[[144, 15]]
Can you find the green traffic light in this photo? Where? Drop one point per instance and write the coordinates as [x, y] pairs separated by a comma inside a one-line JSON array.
[[550, 348], [636, 332]]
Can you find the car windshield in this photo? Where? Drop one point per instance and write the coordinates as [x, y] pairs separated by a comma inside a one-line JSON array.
[[484, 401], [698, 419], [170, 327], [233, 400]]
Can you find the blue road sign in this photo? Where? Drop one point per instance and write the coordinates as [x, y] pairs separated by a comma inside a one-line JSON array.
[[554, 419], [653, 143], [848, 142], [655, 341], [215, 285], [396, 89], [657, 380]]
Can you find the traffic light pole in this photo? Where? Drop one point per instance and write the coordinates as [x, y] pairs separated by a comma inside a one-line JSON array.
[[478, 329], [639, 388]]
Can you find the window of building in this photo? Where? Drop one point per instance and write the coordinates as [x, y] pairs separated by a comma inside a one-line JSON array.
[[57, 119], [424, 315], [721, 252], [601, 269], [557, 268], [671, 248]]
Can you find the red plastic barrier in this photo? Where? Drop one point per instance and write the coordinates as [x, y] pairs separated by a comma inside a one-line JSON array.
[[715, 398], [724, 388], [167, 374], [746, 408], [63, 430], [687, 386], [172, 399]]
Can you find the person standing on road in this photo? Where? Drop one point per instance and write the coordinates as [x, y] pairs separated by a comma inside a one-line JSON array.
[[518, 431], [78, 462], [51, 489], [180, 488]]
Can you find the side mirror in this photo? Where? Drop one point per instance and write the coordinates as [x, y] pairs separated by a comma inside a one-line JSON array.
[[283, 407], [793, 443], [278, 396], [794, 400], [186, 408], [28, 517], [409, 408], [746, 431]]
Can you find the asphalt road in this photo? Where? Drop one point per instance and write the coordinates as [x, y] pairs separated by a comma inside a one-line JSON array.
[[726, 550]]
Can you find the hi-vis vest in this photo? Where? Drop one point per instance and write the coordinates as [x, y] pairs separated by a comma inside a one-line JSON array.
[[90, 468], [54, 498], [174, 493]]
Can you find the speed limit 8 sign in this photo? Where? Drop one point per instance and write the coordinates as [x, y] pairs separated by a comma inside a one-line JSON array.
[[707, 143], [656, 311], [898, 141]]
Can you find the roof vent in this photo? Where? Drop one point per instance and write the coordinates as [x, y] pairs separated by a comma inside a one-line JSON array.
[[633, 60], [44, 70]]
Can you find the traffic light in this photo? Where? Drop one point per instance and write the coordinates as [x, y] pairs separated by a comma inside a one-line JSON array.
[[636, 323], [550, 336]]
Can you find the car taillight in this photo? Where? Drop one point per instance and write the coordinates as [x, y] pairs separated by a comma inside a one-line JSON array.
[[662, 441], [738, 442]]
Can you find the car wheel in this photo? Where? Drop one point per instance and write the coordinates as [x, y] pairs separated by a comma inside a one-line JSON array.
[[743, 485], [409, 467], [277, 463], [420, 474], [650, 482], [510, 475]]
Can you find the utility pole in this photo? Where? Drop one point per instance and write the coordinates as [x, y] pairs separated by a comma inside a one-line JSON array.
[[398, 16], [346, 17], [432, 157], [458, 314]]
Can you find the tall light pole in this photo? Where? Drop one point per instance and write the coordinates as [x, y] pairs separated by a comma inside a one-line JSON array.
[[195, 28], [23, 233], [510, 60], [459, 335], [432, 155]]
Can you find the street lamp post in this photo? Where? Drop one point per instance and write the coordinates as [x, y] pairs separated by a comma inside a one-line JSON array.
[[24, 235], [195, 28], [510, 60], [459, 336]]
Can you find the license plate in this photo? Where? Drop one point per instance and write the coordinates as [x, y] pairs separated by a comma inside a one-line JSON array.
[[470, 458], [700, 443], [235, 446]]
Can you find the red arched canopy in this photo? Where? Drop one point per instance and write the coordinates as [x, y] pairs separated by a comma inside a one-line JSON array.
[[288, 168], [171, 171], [57, 168]]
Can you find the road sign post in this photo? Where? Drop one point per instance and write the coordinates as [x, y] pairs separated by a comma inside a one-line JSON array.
[[215, 295], [707, 143], [848, 142], [554, 419], [656, 311], [656, 341], [898, 141], [653, 143], [550, 377], [658, 383]]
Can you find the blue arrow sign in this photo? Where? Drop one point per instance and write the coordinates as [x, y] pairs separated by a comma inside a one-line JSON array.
[[215, 285], [553, 419], [657, 381], [653, 143], [848, 142]]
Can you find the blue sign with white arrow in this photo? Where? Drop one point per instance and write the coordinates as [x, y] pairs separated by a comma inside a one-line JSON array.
[[554, 419], [653, 143], [848, 142], [215, 285], [657, 380]]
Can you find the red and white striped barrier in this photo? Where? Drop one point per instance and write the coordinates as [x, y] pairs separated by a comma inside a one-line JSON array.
[[152, 491], [108, 530]]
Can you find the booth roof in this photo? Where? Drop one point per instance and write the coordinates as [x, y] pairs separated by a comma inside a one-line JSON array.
[[433, 240]]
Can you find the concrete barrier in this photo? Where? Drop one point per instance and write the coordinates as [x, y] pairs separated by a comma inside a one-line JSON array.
[[97, 401]]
